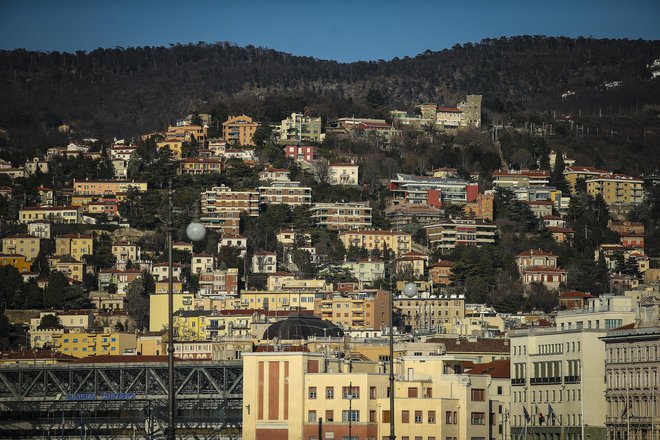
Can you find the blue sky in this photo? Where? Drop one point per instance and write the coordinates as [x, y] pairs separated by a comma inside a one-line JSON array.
[[338, 30]]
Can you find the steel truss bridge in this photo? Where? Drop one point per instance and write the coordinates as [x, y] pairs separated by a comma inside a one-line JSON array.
[[120, 400]]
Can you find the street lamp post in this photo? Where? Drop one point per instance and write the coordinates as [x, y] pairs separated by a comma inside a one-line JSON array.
[[195, 232], [409, 290], [350, 410]]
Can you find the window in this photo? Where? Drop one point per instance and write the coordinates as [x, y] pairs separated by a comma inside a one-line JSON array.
[[478, 418], [405, 416], [419, 418], [372, 392], [478, 394], [450, 418], [499, 390], [351, 415], [372, 416], [329, 392], [386, 416], [412, 392], [329, 415], [431, 417], [354, 392], [312, 393], [311, 416]]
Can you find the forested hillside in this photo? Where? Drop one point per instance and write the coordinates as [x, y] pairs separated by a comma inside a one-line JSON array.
[[123, 92]]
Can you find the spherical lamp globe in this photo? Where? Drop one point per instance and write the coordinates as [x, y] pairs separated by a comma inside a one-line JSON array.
[[410, 290], [196, 231]]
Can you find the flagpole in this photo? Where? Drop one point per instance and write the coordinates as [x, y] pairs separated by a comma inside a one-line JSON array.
[[627, 408], [582, 396]]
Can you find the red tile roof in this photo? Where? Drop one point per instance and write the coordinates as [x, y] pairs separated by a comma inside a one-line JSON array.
[[500, 369], [481, 345], [575, 294], [537, 252]]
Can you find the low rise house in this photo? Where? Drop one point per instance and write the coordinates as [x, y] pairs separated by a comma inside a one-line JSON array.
[[343, 174]]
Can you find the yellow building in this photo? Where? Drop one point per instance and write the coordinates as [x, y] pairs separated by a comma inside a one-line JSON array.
[[90, 344], [286, 394], [55, 214], [617, 189], [21, 244], [205, 325], [69, 266], [158, 307], [574, 173], [151, 344], [74, 245], [18, 261], [397, 242], [239, 130], [162, 286], [101, 187], [199, 165], [175, 146], [355, 310]]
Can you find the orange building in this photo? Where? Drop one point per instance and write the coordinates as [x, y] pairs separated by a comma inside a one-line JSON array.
[[18, 261], [481, 208], [440, 272], [239, 130]]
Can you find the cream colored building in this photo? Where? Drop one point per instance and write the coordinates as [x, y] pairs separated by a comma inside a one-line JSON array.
[[21, 244], [343, 174], [340, 216], [124, 251], [397, 242], [548, 367], [432, 314], [278, 300], [286, 394], [300, 128]]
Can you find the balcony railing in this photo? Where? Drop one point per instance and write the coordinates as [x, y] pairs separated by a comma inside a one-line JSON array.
[[520, 381], [571, 379], [545, 380]]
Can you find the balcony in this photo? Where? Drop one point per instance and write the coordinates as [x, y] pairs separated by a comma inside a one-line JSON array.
[[571, 379], [545, 380], [520, 381]]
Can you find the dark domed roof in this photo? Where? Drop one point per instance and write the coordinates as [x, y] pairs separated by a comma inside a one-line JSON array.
[[302, 327]]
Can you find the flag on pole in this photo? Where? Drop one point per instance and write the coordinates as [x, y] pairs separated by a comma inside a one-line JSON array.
[[526, 415], [551, 414], [626, 409], [541, 418]]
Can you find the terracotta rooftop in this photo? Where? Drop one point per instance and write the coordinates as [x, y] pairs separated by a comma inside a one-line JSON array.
[[481, 345], [537, 252], [500, 369], [442, 263], [575, 294]]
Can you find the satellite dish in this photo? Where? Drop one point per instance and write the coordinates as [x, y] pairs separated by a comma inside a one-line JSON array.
[[410, 290]]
